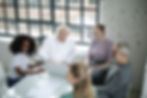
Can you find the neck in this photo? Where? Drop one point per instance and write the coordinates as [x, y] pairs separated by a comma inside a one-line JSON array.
[[124, 61], [101, 38], [60, 40]]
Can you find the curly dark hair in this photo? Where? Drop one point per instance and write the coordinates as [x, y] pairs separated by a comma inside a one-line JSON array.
[[18, 41]]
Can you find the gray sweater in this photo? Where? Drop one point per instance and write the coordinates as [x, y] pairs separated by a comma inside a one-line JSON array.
[[117, 82]]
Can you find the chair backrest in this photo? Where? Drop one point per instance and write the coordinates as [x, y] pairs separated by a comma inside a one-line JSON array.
[[5, 53], [3, 86]]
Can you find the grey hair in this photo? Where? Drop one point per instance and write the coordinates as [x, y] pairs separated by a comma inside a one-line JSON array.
[[124, 48]]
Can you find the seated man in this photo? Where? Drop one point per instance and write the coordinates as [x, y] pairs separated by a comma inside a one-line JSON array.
[[59, 50], [117, 81]]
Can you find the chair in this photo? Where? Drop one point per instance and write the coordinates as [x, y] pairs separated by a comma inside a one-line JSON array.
[[3, 86]]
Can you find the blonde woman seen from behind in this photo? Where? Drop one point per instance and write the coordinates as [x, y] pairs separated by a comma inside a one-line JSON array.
[[78, 76]]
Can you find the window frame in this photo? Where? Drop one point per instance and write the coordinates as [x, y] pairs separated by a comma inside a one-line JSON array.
[[52, 22]]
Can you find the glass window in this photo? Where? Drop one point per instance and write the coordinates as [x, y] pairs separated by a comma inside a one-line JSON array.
[[89, 18], [75, 34], [33, 3], [21, 3], [10, 13], [60, 16], [47, 30], [74, 17], [23, 28], [60, 3], [34, 13], [22, 13], [74, 3], [34, 30], [75, 13], [46, 14], [46, 3], [90, 3], [2, 27], [1, 11], [9, 2], [12, 28]]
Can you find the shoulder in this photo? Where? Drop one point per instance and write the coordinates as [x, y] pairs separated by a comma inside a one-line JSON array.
[[70, 42], [20, 56]]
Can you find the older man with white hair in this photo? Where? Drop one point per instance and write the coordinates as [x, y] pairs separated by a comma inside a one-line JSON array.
[[59, 49], [57, 53]]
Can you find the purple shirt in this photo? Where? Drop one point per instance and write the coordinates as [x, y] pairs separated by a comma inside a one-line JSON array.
[[101, 50]]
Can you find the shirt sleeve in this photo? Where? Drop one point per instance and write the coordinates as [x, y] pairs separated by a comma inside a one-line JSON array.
[[16, 61]]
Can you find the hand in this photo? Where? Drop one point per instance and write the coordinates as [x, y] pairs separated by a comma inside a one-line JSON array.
[[94, 68], [41, 71], [39, 63]]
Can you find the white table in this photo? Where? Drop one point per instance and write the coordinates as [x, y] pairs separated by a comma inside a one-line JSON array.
[[29, 85]]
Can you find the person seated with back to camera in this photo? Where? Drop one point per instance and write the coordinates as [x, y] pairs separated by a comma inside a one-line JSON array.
[[79, 77], [119, 76], [22, 48]]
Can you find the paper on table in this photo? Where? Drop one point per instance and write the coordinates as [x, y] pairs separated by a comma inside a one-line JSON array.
[[46, 87], [42, 88]]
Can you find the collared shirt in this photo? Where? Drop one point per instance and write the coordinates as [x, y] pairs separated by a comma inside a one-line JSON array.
[[53, 49]]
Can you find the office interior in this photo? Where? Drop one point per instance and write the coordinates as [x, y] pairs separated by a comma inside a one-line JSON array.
[[125, 20]]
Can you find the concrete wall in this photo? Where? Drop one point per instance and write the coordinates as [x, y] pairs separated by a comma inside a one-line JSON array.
[[126, 20]]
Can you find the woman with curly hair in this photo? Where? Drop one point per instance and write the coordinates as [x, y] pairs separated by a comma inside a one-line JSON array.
[[22, 47]]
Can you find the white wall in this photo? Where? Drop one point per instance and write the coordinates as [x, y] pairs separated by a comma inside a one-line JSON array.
[[127, 20]]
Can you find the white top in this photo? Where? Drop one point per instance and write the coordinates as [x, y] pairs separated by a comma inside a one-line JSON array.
[[58, 51], [18, 60]]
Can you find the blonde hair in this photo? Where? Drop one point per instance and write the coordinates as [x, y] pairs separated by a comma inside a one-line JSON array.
[[83, 89]]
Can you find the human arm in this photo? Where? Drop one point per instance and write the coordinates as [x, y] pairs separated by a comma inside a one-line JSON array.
[[29, 71]]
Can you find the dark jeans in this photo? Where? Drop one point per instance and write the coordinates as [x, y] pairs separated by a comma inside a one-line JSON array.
[[11, 82], [98, 76]]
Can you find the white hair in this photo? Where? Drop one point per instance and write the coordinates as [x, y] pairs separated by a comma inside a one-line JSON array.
[[125, 51], [62, 26]]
